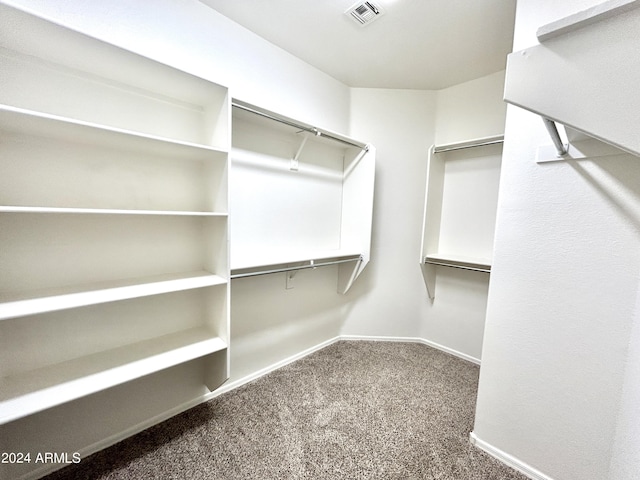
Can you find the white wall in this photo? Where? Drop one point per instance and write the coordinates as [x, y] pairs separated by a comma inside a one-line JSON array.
[[403, 124], [400, 123], [455, 318], [473, 109], [557, 384]]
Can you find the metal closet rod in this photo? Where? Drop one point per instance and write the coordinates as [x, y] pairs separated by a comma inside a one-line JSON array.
[[304, 128], [462, 267], [462, 147], [289, 269]]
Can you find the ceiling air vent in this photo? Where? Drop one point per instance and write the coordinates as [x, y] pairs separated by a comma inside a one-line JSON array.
[[363, 13]]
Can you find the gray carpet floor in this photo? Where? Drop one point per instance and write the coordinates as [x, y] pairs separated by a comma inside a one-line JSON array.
[[353, 410]]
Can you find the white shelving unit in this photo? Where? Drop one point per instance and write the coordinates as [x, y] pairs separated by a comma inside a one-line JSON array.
[[584, 74], [460, 207], [300, 196], [113, 217]]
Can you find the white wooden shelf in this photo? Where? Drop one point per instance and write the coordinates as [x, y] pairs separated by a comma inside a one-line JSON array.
[[51, 300], [270, 258], [457, 261], [24, 121], [585, 18], [34, 391], [104, 211], [149, 173], [460, 206], [473, 143], [584, 73]]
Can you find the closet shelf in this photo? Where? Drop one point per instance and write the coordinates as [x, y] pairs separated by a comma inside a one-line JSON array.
[[472, 143], [51, 300], [592, 58], [286, 266], [460, 207], [52, 385], [585, 18], [28, 122], [266, 260], [106, 211], [457, 261], [320, 133]]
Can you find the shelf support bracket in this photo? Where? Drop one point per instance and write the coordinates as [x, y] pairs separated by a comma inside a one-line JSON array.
[[295, 160], [561, 148], [289, 276]]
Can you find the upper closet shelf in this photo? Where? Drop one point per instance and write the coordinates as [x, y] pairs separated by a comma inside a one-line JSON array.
[[27, 122], [270, 260], [457, 261], [302, 127], [476, 142], [584, 74]]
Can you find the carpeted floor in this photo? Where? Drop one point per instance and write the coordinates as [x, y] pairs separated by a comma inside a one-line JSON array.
[[354, 410]]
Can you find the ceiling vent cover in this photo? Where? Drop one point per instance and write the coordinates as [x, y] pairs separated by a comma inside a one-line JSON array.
[[363, 13]]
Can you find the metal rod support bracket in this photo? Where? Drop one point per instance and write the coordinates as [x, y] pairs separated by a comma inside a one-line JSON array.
[[561, 148]]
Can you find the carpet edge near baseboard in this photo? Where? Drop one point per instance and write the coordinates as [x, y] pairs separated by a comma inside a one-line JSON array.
[[507, 459]]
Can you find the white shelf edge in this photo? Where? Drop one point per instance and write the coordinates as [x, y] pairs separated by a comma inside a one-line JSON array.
[[276, 117], [106, 211], [296, 257], [473, 142], [105, 292], [457, 261], [97, 129], [51, 387], [585, 18]]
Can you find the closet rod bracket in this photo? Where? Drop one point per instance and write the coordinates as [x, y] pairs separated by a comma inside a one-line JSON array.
[[561, 148]]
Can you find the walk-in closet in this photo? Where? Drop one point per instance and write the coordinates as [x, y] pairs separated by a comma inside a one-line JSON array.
[[289, 240]]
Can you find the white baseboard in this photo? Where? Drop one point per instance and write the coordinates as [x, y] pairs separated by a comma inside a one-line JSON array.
[[424, 341], [507, 459]]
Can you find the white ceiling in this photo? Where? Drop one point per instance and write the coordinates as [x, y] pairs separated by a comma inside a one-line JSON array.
[[416, 44]]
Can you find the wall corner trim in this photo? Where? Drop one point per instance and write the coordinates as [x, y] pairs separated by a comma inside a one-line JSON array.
[[507, 459]]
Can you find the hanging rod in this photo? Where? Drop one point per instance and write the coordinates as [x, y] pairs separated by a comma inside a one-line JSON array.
[[561, 148], [312, 264], [458, 263], [304, 128], [480, 142]]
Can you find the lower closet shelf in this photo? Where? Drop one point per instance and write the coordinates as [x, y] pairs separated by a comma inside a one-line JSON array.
[[31, 392], [13, 306]]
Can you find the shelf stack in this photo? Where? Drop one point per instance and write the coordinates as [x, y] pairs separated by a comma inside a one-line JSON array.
[[113, 217]]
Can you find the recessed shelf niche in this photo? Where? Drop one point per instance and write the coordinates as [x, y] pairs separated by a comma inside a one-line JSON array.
[[298, 194], [460, 207]]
